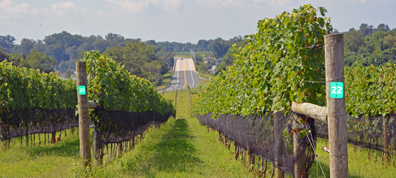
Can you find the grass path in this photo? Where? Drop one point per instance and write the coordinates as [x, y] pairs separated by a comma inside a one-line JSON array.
[[179, 148]]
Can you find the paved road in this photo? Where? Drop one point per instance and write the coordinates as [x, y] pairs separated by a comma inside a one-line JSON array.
[[184, 75]]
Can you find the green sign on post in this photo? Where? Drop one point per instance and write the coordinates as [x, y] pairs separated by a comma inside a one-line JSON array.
[[82, 90], [336, 90]]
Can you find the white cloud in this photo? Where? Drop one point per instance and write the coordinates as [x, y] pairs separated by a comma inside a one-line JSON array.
[[107, 14], [284, 2], [222, 3], [137, 6], [61, 9], [273, 2], [280, 2], [15, 10], [5, 3], [131, 6], [170, 5], [63, 5], [8, 8]]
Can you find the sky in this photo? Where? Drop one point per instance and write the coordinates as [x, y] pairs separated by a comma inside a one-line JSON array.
[[174, 20]]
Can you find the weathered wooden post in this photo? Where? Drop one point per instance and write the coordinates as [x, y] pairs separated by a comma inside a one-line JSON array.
[[279, 173], [337, 124], [249, 159], [176, 99], [189, 93], [83, 117], [133, 142], [141, 137], [4, 135], [98, 146], [299, 163], [53, 136], [119, 150], [27, 139], [236, 152], [385, 137]]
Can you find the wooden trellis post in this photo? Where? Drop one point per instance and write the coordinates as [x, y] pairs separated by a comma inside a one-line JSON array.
[[176, 99], [83, 115], [4, 135], [337, 124], [385, 137], [299, 163], [279, 173]]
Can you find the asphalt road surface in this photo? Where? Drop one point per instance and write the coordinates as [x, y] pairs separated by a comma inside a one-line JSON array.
[[184, 75]]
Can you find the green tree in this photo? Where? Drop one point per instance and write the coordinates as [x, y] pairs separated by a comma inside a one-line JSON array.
[[7, 43], [25, 46], [220, 46], [68, 74], [34, 60], [228, 58], [166, 56], [40, 61], [140, 60], [370, 46], [3, 56]]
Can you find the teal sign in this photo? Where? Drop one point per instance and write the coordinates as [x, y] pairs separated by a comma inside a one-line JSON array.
[[336, 90], [82, 90]]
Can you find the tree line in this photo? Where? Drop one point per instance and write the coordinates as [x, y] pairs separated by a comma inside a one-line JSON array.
[[150, 59], [66, 48], [367, 45], [138, 58]]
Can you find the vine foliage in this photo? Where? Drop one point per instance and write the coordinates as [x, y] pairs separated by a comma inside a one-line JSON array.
[[34, 102], [274, 68], [22, 88], [113, 88]]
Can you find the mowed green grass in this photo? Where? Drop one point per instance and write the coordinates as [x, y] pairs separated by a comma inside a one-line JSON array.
[[358, 163], [179, 148], [53, 160]]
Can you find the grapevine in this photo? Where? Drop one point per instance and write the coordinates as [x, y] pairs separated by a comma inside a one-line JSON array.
[[112, 87], [22, 88], [274, 68]]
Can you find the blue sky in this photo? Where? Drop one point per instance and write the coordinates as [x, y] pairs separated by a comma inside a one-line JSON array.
[[173, 20]]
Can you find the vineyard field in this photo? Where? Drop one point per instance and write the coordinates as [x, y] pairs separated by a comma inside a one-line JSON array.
[[210, 156]]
